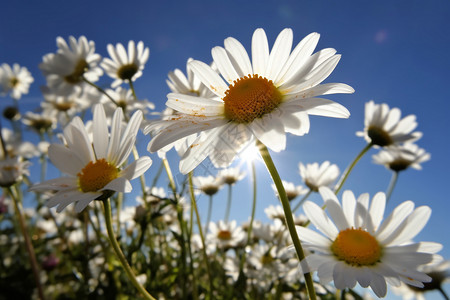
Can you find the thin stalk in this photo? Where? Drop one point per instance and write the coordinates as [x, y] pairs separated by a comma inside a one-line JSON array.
[[443, 293], [252, 218], [208, 216], [200, 232], [158, 173], [119, 253], [130, 82], [29, 246], [170, 176], [288, 214], [392, 184], [302, 200], [350, 167], [227, 211]]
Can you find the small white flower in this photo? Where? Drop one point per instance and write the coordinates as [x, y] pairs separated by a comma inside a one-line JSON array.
[[292, 191], [231, 175], [123, 66], [356, 246], [94, 165], [208, 185], [12, 170], [401, 157], [65, 69], [383, 126], [225, 235], [316, 176], [124, 98], [15, 80]]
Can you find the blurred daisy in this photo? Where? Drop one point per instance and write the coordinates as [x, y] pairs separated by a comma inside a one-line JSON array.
[[356, 246], [15, 146], [124, 98], [399, 158], [15, 80], [42, 122], [440, 274], [277, 212], [292, 191], [12, 170], [94, 164], [383, 126], [225, 235], [231, 175], [262, 99], [316, 176], [65, 69], [123, 66], [208, 185]]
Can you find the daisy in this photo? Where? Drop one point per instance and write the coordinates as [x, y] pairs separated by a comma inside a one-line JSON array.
[[43, 122], [231, 175], [123, 66], [263, 99], [94, 164], [356, 246], [399, 158], [12, 170], [15, 80], [225, 235], [383, 126], [66, 69], [124, 98], [292, 191], [315, 175], [15, 146], [440, 274], [208, 185]]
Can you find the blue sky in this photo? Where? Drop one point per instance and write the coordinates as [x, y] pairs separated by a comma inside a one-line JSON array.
[[392, 51]]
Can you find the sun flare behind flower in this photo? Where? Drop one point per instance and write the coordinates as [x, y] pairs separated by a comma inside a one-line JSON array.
[[94, 164], [263, 98]]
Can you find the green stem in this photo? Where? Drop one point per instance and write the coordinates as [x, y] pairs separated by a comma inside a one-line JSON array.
[[200, 232], [392, 184], [170, 176], [252, 218], [350, 167], [119, 253], [208, 216], [132, 89], [227, 211], [302, 200], [158, 173], [288, 215], [29, 246]]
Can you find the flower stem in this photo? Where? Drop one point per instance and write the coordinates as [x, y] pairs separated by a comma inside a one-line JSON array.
[[130, 82], [208, 216], [288, 215], [227, 211], [119, 253], [200, 232], [302, 200], [392, 184], [28, 244], [350, 167], [443, 293]]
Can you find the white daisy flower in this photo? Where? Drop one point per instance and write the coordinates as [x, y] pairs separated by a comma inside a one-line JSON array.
[[208, 185], [225, 235], [15, 146], [383, 126], [124, 66], [262, 99], [15, 80], [315, 175], [124, 98], [42, 122], [292, 191], [12, 170], [94, 164], [401, 157], [65, 69], [440, 274], [231, 175], [356, 246]]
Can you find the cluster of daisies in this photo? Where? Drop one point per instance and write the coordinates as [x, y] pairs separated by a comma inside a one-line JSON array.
[[223, 112]]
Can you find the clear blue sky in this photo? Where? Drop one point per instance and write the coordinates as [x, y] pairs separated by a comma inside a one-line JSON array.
[[392, 51]]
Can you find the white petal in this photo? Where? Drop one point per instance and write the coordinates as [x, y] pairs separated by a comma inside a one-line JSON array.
[[63, 183], [209, 77], [100, 132], [391, 223], [195, 106], [279, 54], [114, 140], [320, 219], [136, 168], [260, 51], [323, 107], [337, 215], [377, 209], [64, 159], [270, 132], [378, 285], [224, 64], [240, 58], [309, 236], [120, 184]]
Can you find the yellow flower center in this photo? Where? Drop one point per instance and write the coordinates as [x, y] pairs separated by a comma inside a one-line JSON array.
[[399, 165], [13, 82], [356, 247], [379, 136], [95, 175], [250, 97], [75, 77], [267, 259], [224, 235], [210, 189], [127, 71]]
